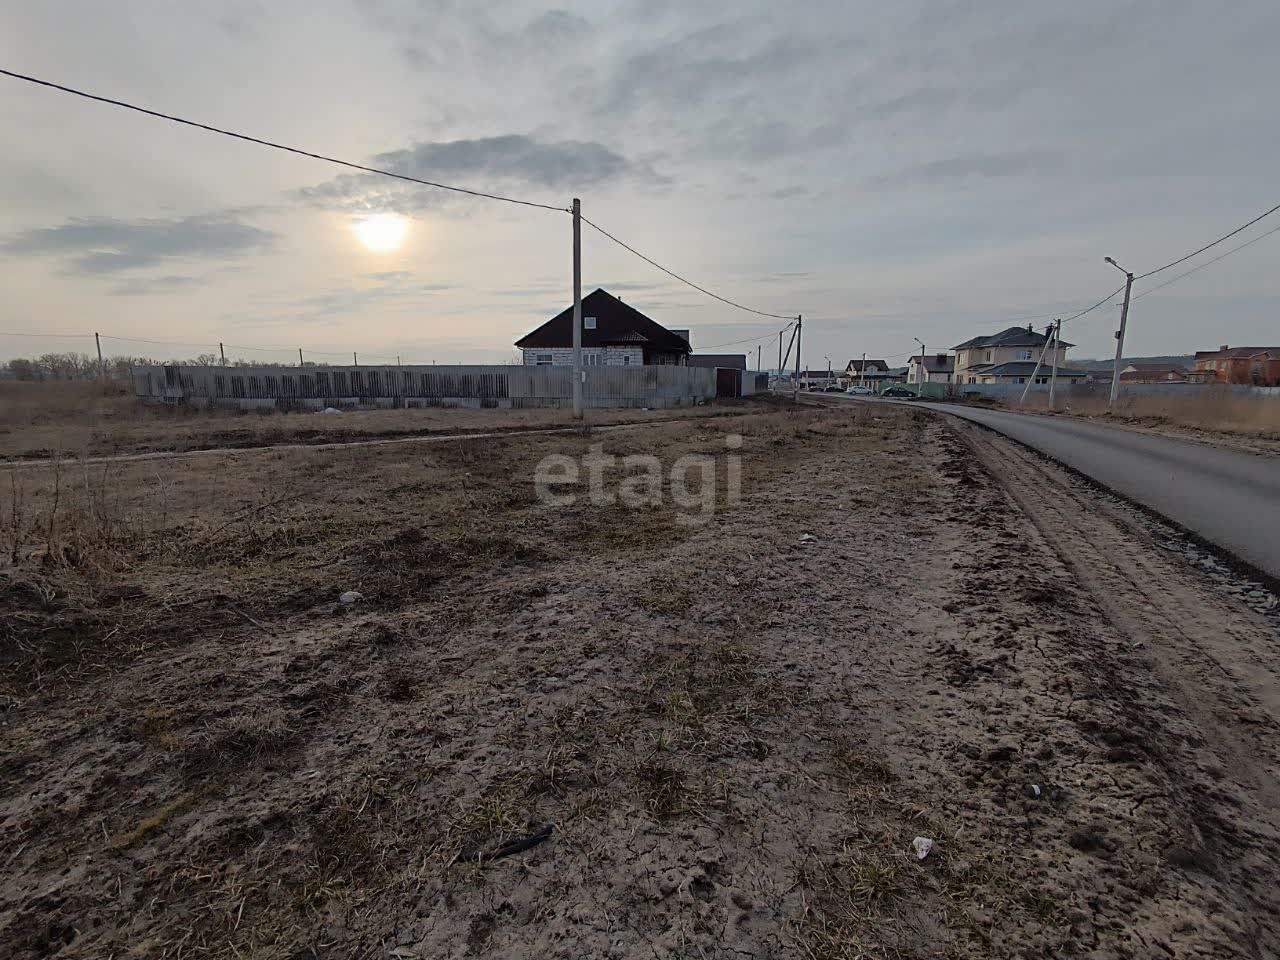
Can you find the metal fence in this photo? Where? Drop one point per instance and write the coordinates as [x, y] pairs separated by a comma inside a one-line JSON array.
[[314, 388], [1103, 389]]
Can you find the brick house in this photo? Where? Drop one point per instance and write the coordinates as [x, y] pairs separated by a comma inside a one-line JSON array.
[[1257, 366], [614, 334]]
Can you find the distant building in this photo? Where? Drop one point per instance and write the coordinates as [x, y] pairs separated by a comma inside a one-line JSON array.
[[1153, 373], [937, 368], [1258, 366], [733, 361], [854, 369], [819, 379], [613, 334], [1010, 357]]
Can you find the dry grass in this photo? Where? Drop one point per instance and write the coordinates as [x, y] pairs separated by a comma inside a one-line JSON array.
[[1209, 409], [43, 420]]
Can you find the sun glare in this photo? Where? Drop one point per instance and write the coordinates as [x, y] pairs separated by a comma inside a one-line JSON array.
[[382, 232]]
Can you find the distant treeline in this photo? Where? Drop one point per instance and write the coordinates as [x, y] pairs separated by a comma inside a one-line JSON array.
[[82, 366]]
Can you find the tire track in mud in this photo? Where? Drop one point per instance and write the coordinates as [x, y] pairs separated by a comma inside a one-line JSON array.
[[1209, 704]]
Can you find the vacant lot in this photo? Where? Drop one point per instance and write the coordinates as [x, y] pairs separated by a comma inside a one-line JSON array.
[[69, 419], [587, 730]]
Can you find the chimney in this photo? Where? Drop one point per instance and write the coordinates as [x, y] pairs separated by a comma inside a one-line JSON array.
[[1029, 330], [1223, 349]]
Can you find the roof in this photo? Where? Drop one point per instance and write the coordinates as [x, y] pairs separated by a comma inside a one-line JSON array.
[[1153, 368], [1021, 368], [1236, 353], [735, 361], [1012, 337], [822, 374], [937, 362], [871, 365], [616, 322]]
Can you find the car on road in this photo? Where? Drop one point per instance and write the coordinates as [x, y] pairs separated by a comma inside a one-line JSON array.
[[898, 393], [832, 389], [860, 391]]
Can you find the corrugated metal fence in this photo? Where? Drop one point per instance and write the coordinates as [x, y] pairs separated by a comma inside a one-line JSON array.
[[303, 388]]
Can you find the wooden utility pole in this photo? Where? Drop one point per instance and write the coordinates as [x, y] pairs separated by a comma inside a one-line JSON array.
[[577, 309]]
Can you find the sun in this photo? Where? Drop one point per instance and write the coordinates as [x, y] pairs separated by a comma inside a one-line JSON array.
[[382, 232]]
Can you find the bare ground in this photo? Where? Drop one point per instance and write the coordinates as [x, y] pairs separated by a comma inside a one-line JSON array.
[[735, 735]]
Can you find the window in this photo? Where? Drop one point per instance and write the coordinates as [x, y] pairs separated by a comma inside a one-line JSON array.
[[626, 359], [1024, 354], [1019, 379], [544, 359], [987, 356], [589, 322]]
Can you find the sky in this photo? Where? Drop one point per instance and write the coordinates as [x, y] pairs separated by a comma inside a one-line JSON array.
[[893, 172]]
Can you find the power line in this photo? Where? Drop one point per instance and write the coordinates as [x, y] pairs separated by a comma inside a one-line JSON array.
[[1095, 306], [1208, 263], [1228, 236], [275, 146], [673, 274], [734, 343]]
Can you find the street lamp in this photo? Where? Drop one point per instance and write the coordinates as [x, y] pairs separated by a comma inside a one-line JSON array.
[[920, 375], [828, 359], [1124, 317]]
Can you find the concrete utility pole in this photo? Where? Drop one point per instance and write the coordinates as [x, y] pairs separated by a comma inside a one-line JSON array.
[[758, 348], [799, 328], [355, 361], [862, 375], [577, 309], [300, 362], [920, 375], [1053, 377], [1124, 317], [224, 354], [780, 354], [1034, 373], [102, 369]]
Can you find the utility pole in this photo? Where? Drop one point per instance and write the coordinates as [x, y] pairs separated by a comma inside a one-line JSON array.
[[758, 348], [828, 359], [920, 375], [224, 354], [300, 362], [355, 361], [779, 354], [1124, 317], [1053, 377], [1034, 373], [577, 309], [799, 329], [102, 369], [862, 374]]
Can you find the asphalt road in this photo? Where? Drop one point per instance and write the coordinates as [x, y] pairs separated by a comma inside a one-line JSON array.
[[1229, 498]]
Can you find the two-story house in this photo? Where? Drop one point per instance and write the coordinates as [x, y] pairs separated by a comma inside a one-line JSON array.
[[1259, 366], [1010, 357], [932, 368]]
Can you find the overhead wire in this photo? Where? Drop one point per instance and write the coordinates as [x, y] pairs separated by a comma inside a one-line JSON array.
[[1207, 263], [273, 145], [1194, 253]]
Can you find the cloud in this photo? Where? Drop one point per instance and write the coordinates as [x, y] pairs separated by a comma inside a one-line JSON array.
[[103, 245], [478, 163], [951, 171], [145, 286]]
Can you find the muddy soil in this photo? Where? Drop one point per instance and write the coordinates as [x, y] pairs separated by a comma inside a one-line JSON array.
[[572, 731]]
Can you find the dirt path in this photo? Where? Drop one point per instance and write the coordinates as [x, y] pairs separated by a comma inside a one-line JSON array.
[[735, 731]]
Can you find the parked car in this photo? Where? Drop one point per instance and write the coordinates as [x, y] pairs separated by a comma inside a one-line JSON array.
[[832, 389], [898, 393], [860, 391]]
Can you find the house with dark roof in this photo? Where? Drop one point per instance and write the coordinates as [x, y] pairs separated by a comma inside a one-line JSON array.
[[855, 368], [613, 334], [1010, 357], [1153, 373], [1259, 366], [934, 368]]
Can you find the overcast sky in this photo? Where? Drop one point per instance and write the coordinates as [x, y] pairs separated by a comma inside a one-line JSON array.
[[912, 169]]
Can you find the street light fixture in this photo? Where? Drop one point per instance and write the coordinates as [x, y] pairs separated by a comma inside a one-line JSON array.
[[1124, 317]]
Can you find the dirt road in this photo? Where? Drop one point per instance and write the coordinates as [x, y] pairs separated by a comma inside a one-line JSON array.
[[735, 731]]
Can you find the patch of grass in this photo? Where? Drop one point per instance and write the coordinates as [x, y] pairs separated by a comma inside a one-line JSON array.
[[236, 740]]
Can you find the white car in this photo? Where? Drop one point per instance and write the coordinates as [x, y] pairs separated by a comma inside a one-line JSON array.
[[860, 391]]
